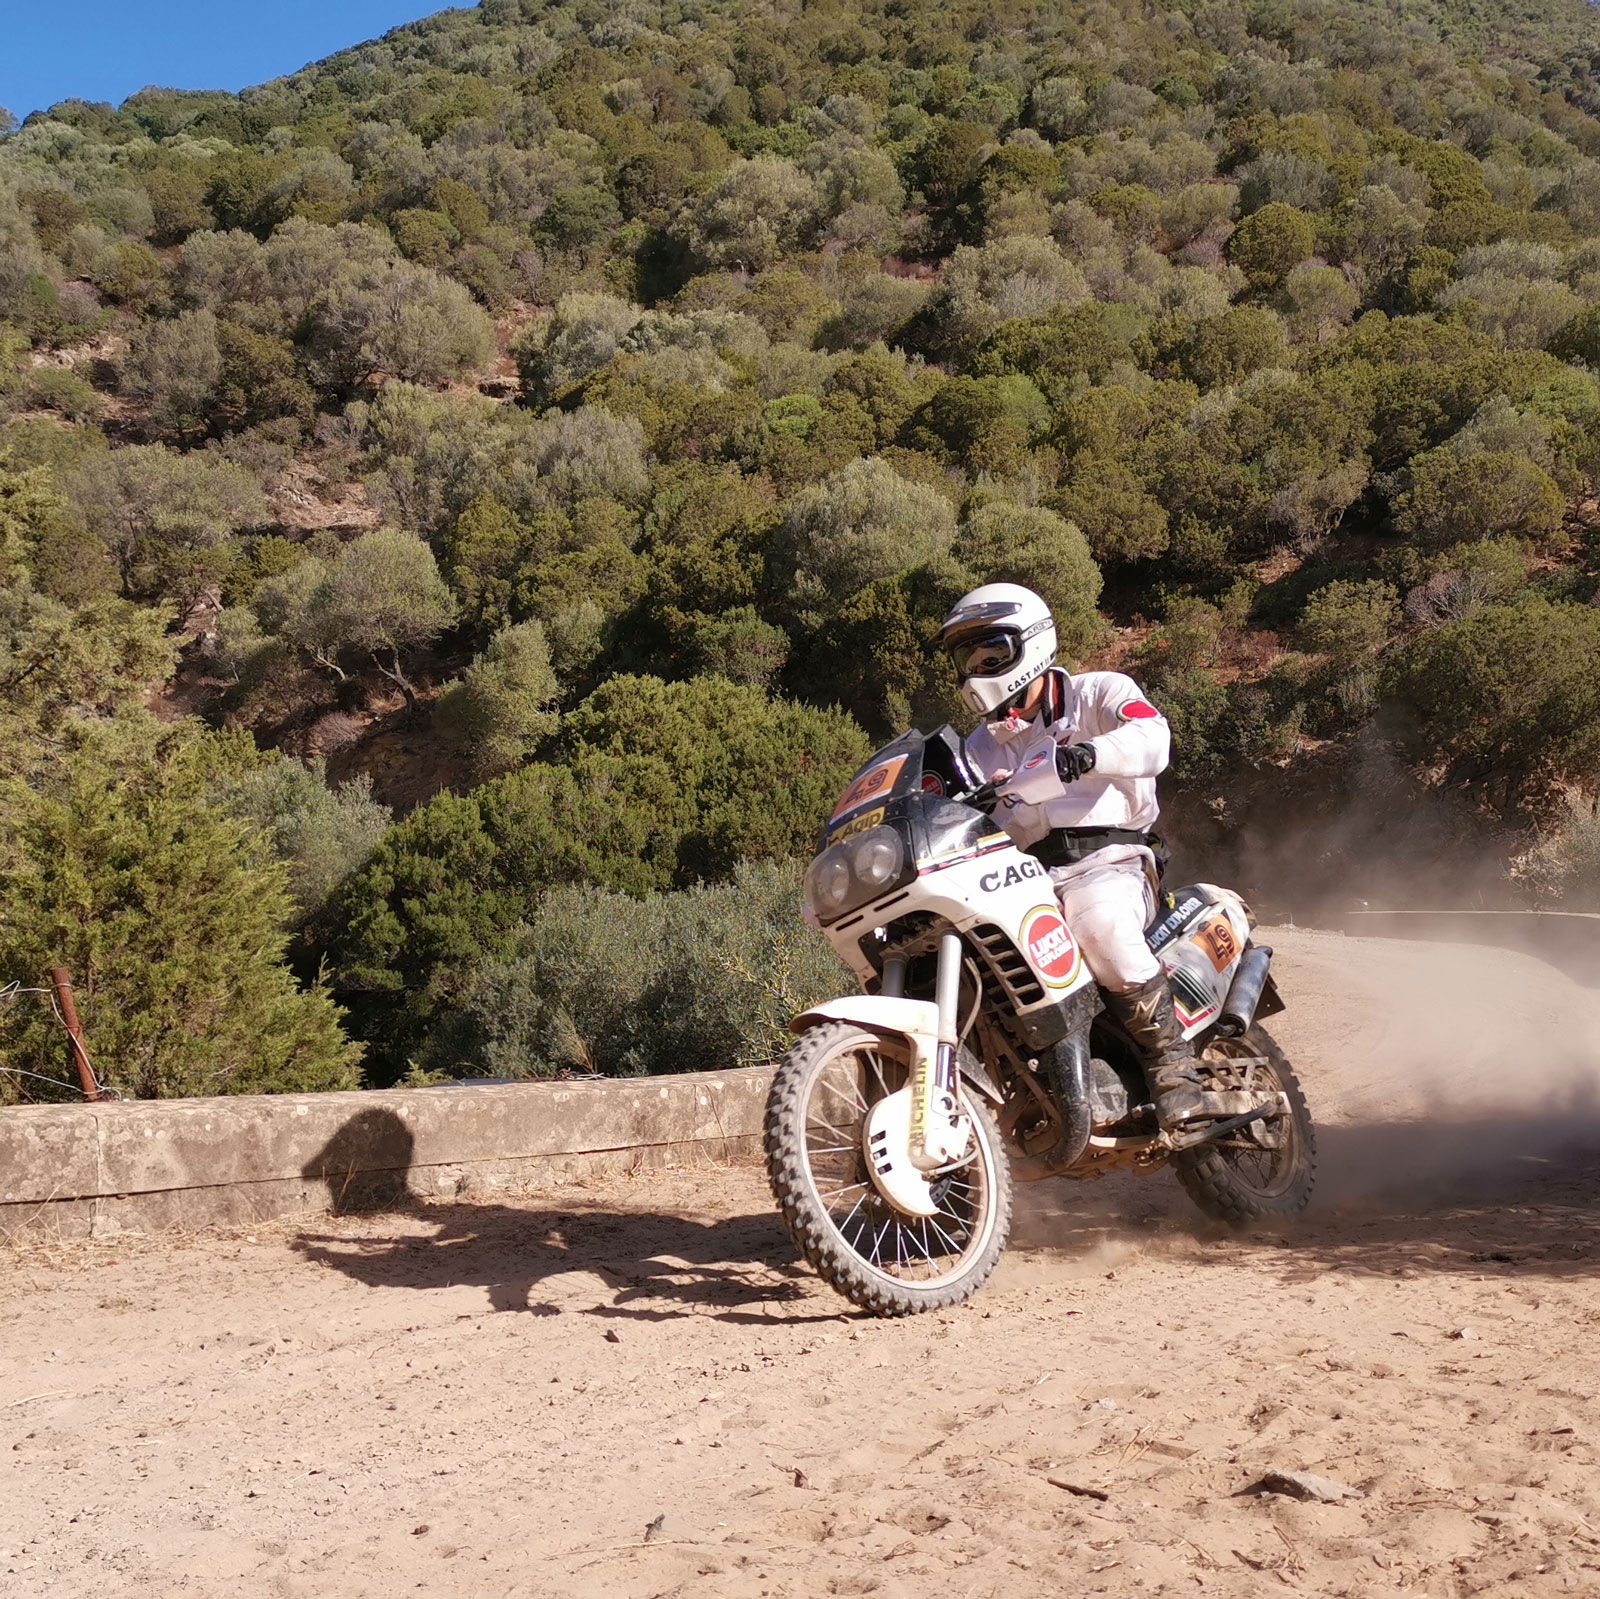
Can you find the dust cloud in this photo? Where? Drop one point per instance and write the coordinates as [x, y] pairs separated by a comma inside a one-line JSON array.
[[1434, 1072]]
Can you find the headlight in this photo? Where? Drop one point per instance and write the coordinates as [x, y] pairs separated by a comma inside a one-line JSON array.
[[877, 858], [853, 872], [828, 883]]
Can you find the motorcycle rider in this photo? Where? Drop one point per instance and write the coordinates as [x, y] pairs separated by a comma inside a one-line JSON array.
[[1108, 744]]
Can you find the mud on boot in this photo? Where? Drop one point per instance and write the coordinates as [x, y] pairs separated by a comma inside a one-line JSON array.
[[1170, 1067]]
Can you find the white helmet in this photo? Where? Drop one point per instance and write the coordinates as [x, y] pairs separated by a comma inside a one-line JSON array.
[[1001, 637]]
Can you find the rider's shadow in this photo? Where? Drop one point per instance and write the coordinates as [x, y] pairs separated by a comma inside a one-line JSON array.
[[635, 1264]]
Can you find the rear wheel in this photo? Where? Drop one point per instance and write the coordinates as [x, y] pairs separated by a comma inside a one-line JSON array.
[[879, 1257], [1265, 1170]]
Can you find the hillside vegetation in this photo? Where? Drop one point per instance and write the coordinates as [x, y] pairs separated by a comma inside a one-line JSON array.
[[458, 498]]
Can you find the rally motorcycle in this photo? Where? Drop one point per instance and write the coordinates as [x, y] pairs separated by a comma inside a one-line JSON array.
[[980, 1053]]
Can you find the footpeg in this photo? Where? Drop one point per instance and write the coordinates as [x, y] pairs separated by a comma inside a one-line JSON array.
[[1274, 1108]]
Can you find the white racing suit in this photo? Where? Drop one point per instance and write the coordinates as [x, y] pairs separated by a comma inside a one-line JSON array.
[[1108, 897]]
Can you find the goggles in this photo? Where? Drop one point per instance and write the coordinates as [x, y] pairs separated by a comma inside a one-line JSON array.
[[987, 655]]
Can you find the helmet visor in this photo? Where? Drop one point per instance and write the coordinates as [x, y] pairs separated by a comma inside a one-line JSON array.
[[986, 655]]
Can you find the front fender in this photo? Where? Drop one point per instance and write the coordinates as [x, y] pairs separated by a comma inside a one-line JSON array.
[[913, 1019], [878, 1013]]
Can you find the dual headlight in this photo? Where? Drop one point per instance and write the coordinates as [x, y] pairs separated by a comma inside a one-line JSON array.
[[852, 872]]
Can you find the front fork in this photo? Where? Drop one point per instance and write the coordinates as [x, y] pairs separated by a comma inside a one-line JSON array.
[[939, 1131]]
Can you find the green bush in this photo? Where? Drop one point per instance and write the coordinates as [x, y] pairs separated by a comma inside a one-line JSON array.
[[659, 785], [698, 980], [171, 917], [1454, 499], [1514, 688]]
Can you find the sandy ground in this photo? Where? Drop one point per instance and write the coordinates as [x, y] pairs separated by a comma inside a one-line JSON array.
[[632, 1388]]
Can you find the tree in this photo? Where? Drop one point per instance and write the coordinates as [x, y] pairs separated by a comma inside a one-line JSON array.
[[1268, 242], [1375, 232], [589, 453], [736, 644], [128, 272], [500, 710], [862, 522], [1453, 499], [758, 212], [1318, 300], [170, 918], [380, 597], [167, 519]]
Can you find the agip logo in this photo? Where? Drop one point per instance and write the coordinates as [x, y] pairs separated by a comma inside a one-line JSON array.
[[1050, 946]]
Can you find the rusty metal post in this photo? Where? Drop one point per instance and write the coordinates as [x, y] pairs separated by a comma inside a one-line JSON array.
[[61, 981]]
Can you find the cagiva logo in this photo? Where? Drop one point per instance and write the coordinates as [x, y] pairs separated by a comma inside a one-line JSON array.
[[1050, 946], [1027, 867]]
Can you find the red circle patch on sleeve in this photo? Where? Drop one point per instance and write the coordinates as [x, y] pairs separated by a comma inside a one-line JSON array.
[[1137, 711]]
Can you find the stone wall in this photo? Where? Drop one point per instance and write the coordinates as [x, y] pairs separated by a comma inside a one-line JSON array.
[[80, 1170]]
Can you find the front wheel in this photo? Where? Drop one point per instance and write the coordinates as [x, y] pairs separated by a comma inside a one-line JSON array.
[[878, 1257], [1264, 1171]]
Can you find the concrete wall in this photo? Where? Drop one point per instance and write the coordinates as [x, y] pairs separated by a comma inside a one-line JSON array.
[[90, 1170]]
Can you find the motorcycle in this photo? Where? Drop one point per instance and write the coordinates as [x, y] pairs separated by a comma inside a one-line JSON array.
[[979, 1052]]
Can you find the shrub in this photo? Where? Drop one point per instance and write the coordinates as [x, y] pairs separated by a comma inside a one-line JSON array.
[[1515, 688], [319, 832], [499, 711], [1454, 499], [1269, 242], [380, 597], [864, 521], [1349, 621], [693, 981], [1006, 543], [1563, 864], [758, 212], [171, 920], [175, 368], [166, 518], [660, 784], [578, 337]]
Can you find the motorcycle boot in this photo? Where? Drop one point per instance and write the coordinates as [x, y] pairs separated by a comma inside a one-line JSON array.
[[1170, 1066]]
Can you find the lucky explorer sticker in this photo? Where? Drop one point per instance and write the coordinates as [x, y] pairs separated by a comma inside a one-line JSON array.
[[1050, 946], [879, 780], [856, 824]]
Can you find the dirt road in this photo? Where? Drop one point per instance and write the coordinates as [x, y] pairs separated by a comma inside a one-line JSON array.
[[631, 1388]]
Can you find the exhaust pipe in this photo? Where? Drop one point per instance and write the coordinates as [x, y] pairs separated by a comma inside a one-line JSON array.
[[1249, 982]]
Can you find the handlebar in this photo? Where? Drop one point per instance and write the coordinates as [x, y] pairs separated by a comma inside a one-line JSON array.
[[983, 798]]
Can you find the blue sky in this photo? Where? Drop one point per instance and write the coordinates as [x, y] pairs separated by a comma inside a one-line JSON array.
[[94, 50]]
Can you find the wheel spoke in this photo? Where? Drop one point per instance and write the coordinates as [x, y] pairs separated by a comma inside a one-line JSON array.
[[837, 1099]]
